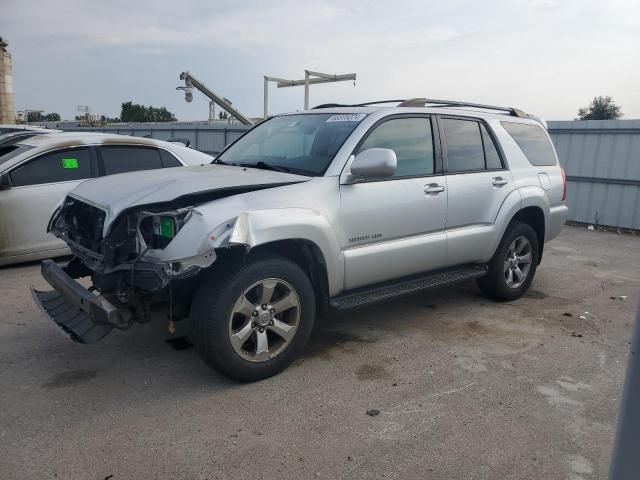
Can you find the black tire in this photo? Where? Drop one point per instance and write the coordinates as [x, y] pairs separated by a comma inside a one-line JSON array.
[[494, 284], [211, 313]]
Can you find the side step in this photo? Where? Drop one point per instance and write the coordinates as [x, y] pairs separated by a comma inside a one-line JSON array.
[[397, 288]]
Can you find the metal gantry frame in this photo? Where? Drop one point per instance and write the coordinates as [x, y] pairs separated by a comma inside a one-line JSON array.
[[307, 81]]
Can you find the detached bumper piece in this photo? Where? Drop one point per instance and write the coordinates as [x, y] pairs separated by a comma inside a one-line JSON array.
[[85, 317]]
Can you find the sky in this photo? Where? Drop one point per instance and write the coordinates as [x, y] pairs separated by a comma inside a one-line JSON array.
[[546, 57]]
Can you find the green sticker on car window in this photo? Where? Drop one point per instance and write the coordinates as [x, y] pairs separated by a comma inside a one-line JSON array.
[[69, 163]]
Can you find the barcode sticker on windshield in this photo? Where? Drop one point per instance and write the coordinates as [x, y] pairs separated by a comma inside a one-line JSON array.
[[347, 117]]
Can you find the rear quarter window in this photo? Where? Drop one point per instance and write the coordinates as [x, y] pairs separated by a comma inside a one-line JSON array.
[[533, 141]]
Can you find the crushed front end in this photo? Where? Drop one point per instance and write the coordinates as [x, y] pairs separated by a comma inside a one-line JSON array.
[[135, 266]]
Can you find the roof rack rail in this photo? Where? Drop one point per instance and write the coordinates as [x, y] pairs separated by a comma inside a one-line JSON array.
[[378, 102], [330, 105], [334, 105], [421, 102]]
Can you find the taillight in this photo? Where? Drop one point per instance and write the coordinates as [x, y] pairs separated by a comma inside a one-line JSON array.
[[564, 184]]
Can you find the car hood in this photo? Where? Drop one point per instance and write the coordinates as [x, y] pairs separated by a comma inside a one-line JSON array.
[[116, 193]]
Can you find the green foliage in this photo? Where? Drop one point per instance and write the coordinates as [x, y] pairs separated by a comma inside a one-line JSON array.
[[105, 120], [39, 117], [601, 108], [51, 117], [34, 117], [133, 112]]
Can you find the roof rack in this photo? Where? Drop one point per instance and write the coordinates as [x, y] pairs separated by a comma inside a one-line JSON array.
[[422, 102], [365, 104]]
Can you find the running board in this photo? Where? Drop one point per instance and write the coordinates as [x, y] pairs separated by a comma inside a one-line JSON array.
[[397, 288]]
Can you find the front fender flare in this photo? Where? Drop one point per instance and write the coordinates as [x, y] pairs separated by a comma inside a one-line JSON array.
[[259, 227]]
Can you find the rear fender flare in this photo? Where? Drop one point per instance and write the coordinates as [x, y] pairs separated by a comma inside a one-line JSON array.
[[517, 200]]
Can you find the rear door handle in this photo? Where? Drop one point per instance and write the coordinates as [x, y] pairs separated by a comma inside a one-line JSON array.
[[433, 188], [499, 181]]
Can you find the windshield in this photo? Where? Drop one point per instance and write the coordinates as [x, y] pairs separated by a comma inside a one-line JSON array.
[[304, 144]]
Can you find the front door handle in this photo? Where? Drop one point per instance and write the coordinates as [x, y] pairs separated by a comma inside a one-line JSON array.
[[499, 181], [433, 188]]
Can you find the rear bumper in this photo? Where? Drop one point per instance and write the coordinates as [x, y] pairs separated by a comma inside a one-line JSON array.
[[557, 217], [85, 317]]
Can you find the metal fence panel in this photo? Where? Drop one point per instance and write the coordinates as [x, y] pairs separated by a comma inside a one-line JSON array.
[[602, 162], [204, 137]]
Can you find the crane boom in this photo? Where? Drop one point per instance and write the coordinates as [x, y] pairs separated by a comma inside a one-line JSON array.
[[191, 82]]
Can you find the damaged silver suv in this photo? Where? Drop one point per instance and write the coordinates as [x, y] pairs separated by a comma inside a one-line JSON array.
[[332, 208]]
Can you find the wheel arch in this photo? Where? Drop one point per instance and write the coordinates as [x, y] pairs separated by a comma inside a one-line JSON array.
[[528, 205], [534, 216], [302, 235], [308, 256]]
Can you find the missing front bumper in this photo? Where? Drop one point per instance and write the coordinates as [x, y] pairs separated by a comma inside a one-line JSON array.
[[85, 317]]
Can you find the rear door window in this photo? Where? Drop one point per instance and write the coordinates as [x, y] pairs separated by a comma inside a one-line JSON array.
[[463, 143], [59, 166], [533, 142], [122, 159]]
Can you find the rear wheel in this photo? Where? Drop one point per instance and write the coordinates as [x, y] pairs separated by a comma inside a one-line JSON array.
[[513, 266], [254, 323]]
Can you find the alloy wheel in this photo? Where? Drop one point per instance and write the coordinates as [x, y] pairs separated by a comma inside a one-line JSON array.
[[264, 320], [517, 263]]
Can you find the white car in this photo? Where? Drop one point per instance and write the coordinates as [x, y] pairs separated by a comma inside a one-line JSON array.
[[10, 128], [36, 174]]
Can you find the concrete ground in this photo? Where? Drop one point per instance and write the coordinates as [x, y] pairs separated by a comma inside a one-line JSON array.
[[466, 388]]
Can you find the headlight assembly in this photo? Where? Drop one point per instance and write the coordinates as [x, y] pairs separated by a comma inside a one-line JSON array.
[[157, 229]]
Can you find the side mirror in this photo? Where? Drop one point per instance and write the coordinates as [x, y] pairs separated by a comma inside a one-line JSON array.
[[374, 163], [4, 181]]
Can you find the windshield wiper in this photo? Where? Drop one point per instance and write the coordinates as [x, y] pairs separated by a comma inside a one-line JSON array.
[[222, 162], [266, 166]]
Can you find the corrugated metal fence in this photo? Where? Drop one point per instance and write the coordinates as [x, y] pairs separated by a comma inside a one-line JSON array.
[[602, 162], [203, 137], [601, 159]]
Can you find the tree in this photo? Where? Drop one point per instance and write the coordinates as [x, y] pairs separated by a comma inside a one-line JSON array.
[[34, 117], [105, 120], [133, 112], [51, 117], [601, 108]]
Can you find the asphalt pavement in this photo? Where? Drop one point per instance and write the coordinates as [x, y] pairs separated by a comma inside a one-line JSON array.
[[441, 385]]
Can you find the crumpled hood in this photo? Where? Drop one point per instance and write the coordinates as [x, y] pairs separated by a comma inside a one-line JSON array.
[[116, 193]]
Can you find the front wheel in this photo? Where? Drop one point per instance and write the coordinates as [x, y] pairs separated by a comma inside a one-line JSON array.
[[254, 323], [513, 266]]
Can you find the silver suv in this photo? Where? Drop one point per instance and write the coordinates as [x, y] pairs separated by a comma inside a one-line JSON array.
[[331, 208]]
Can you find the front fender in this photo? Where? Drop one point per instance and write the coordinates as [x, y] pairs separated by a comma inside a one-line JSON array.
[[259, 227]]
